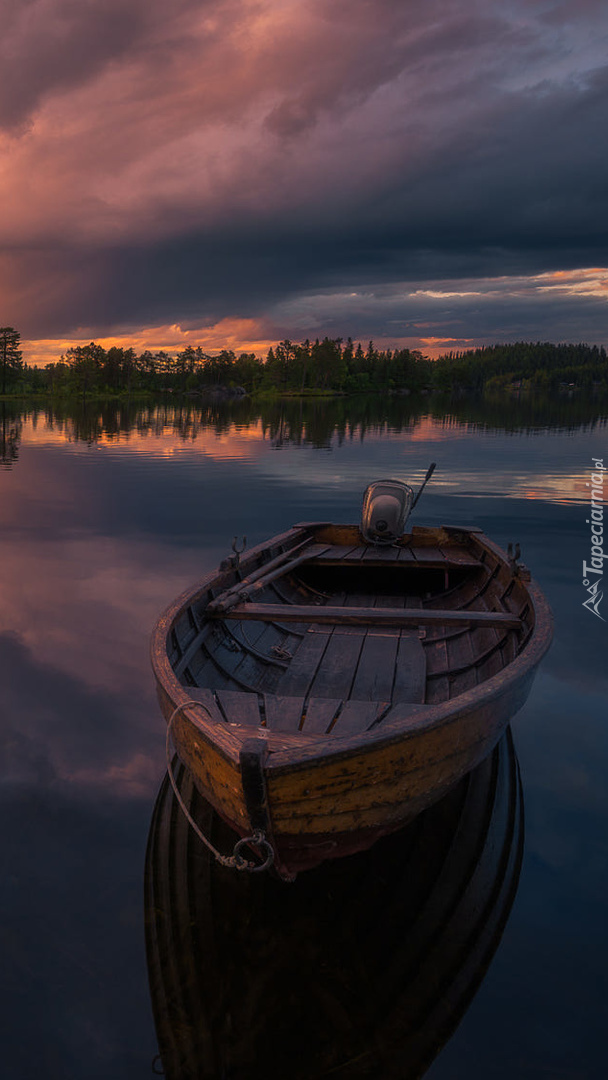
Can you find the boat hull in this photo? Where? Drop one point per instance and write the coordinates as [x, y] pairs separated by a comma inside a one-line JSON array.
[[334, 803], [320, 792]]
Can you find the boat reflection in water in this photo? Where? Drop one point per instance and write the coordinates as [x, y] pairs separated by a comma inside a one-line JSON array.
[[360, 968]]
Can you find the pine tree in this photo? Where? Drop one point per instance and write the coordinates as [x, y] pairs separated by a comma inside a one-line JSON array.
[[10, 353]]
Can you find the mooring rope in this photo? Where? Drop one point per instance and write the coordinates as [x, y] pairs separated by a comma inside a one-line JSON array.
[[236, 861]]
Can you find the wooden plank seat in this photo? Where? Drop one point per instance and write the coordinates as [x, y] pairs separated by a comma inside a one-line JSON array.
[[446, 558], [336, 616]]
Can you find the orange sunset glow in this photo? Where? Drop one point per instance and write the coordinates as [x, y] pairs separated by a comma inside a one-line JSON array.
[[258, 335], [240, 335]]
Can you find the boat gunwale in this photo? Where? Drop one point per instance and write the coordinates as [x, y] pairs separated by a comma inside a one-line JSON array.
[[402, 722]]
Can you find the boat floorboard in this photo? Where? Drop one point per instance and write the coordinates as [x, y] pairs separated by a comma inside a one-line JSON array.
[[335, 674], [239, 708], [300, 672], [358, 716], [283, 713], [376, 668], [410, 669], [320, 713], [206, 697]]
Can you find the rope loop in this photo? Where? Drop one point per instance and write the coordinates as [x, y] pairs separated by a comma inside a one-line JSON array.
[[258, 839]]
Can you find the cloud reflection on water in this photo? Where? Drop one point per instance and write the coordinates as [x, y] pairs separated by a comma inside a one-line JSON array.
[[106, 516]]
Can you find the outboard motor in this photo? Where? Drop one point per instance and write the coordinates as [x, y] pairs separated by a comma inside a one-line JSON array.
[[386, 508]]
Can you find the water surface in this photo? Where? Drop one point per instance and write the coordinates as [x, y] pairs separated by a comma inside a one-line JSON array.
[[106, 515]]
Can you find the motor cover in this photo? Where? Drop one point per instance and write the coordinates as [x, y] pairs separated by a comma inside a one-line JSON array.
[[386, 507]]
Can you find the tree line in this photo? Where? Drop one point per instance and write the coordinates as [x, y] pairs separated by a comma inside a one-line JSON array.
[[523, 365], [327, 366], [333, 365]]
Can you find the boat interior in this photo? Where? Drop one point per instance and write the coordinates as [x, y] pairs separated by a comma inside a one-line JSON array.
[[334, 639]]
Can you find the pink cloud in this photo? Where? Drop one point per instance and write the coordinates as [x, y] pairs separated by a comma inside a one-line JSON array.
[[258, 128], [144, 119]]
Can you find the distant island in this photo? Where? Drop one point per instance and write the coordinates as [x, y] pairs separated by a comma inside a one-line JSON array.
[[331, 366]]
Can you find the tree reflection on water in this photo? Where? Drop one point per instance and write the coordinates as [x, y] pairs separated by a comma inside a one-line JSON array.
[[317, 422], [11, 427]]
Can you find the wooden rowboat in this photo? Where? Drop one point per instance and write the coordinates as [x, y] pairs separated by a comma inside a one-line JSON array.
[[361, 969], [324, 689]]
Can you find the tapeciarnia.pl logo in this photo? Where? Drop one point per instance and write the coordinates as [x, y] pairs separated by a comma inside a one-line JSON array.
[[593, 571]]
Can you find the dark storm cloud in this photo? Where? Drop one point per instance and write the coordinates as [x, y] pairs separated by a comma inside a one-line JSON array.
[[215, 160], [562, 306]]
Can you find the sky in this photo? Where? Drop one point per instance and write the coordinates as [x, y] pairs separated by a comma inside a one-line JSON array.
[[430, 174]]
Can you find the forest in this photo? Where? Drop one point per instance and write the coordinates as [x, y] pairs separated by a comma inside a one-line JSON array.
[[331, 366]]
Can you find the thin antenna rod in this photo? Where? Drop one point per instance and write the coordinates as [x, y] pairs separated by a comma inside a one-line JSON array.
[[430, 471]]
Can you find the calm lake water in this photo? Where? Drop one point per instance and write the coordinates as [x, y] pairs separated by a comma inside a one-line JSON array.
[[106, 515]]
